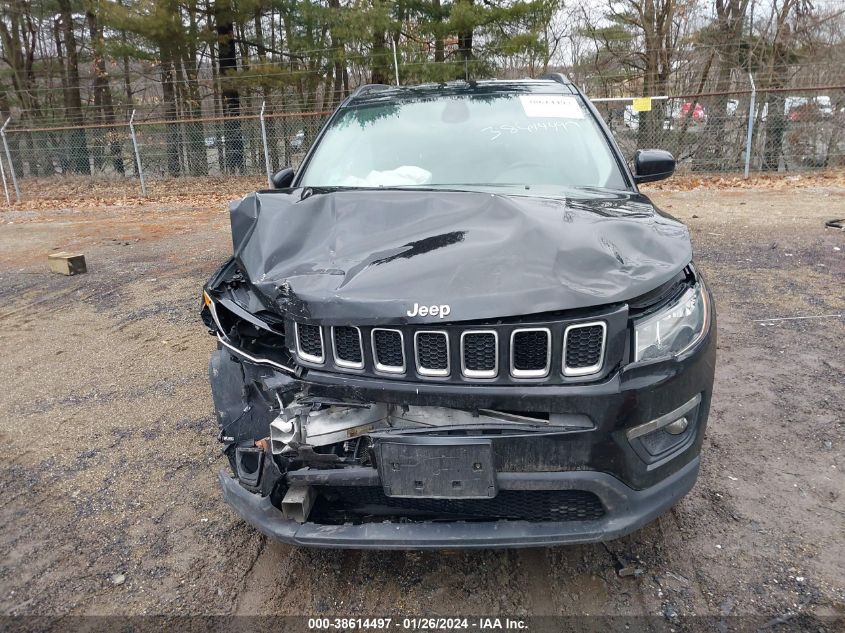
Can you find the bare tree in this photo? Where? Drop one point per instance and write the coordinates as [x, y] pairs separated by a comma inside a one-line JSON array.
[[227, 58], [725, 38], [657, 24], [77, 145], [775, 77]]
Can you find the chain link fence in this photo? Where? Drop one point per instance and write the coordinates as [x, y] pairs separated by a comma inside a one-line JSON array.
[[252, 145], [750, 130], [743, 130]]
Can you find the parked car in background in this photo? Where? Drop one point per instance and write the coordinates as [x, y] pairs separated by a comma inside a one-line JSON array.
[[631, 118], [298, 139], [808, 109], [672, 114], [688, 110]]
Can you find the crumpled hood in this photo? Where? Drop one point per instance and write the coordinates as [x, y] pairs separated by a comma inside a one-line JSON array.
[[366, 257]]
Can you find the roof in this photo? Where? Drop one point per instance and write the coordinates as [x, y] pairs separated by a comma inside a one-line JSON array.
[[379, 93]]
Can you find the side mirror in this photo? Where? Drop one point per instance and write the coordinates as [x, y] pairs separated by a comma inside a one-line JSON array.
[[283, 178], [652, 164]]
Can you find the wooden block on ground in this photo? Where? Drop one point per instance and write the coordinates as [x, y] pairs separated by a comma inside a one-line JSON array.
[[67, 263]]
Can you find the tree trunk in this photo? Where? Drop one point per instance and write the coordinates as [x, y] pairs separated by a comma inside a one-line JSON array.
[[227, 58], [439, 44], [682, 136], [267, 93], [465, 42], [831, 157], [379, 76], [339, 52], [776, 118], [217, 108], [102, 93], [78, 147], [63, 157], [775, 128], [651, 122], [127, 81], [197, 155], [713, 156], [197, 158], [730, 18], [168, 89], [19, 38]]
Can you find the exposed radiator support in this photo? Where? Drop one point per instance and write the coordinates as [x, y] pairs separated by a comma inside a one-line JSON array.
[[297, 504]]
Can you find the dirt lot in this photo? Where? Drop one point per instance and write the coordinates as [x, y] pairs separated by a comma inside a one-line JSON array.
[[110, 504]]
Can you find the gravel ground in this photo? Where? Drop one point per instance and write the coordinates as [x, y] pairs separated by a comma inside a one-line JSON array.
[[110, 504]]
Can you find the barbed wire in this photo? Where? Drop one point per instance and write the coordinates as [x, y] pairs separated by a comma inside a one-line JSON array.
[[142, 123], [245, 72], [290, 103], [240, 81], [13, 128]]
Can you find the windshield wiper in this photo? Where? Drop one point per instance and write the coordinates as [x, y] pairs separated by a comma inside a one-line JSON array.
[[458, 184], [451, 187]]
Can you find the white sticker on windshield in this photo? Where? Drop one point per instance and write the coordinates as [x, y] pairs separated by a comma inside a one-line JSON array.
[[551, 106]]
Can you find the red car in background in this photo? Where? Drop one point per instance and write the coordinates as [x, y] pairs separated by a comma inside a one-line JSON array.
[[697, 112]]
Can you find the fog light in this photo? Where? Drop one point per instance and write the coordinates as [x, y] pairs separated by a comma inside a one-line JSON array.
[[677, 427], [669, 435], [677, 418]]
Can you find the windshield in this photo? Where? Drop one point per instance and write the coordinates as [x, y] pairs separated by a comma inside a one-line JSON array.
[[499, 139]]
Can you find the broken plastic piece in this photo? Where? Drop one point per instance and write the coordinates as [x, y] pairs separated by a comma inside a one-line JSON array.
[[248, 462]]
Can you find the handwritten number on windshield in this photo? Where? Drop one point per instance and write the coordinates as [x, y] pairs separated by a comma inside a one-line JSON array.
[[539, 126]]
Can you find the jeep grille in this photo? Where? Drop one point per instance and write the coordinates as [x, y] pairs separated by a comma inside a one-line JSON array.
[[549, 351]]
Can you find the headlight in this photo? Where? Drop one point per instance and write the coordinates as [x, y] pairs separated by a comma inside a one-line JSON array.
[[674, 329]]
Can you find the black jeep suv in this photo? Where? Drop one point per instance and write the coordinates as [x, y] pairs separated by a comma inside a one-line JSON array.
[[459, 324]]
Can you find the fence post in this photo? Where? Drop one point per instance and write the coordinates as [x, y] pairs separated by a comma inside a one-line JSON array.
[[5, 186], [264, 142], [137, 154], [751, 108], [11, 166]]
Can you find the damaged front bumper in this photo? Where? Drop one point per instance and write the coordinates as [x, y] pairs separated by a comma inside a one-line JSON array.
[[541, 465], [626, 510]]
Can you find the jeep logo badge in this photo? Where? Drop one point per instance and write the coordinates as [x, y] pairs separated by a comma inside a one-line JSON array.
[[441, 310]]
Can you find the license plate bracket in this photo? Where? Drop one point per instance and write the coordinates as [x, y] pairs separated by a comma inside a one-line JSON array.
[[436, 467]]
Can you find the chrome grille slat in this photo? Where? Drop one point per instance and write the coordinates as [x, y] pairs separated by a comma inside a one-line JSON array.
[[348, 347], [583, 348], [480, 353], [388, 350], [309, 343], [431, 352], [531, 352]]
